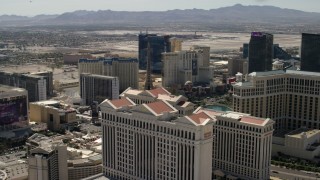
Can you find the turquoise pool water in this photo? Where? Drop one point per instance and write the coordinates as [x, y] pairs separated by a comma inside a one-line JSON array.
[[218, 108]]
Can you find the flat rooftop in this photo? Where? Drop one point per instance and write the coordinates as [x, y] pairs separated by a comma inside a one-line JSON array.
[[279, 72], [298, 133], [14, 166], [98, 76], [9, 91], [46, 103], [5, 88]]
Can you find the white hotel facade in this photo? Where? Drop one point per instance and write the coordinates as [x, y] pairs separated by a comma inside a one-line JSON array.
[[148, 141], [151, 141]]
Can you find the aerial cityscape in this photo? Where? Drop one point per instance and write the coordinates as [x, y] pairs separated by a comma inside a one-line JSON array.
[[172, 90]]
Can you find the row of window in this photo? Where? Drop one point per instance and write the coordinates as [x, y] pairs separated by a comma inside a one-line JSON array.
[[149, 126]]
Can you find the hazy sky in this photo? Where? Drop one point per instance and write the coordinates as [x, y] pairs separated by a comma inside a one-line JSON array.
[[35, 7]]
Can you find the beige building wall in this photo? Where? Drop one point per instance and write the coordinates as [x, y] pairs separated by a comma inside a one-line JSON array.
[[237, 65], [206, 54], [302, 143], [176, 44], [54, 117], [126, 70], [92, 67], [38, 168], [242, 146], [48, 164], [36, 113], [183, 66], [75, 173], [155, 145]]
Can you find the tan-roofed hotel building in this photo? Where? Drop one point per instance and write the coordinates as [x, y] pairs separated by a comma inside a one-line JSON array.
[[148, 141], [291, 98]]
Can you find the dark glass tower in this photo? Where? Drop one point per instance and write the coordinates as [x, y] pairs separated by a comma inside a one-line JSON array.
[[158, 45], [260, 52], [310, 52]]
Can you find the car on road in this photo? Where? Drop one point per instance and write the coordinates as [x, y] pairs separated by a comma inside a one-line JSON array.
[[275, 172]]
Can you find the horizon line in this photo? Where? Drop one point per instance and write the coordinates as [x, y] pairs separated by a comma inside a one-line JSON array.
[[237, 4]]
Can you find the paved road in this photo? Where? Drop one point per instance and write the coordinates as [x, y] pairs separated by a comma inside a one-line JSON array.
[[284, 173]]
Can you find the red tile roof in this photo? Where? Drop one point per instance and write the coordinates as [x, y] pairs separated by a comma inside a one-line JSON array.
[[121, 102], [252, 120], [157, 91], [160, 107], [199, 118], [211, 112]]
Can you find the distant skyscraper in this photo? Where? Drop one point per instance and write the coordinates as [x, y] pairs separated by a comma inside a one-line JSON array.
[[183, 66], [175, 45], [245, 50], [260, 52], [278, 52], [48, 75], [158, 44], [36, 85], [98, 88], [236, 65], [148, 83], [205, 54], [310, 52], [126, 70]]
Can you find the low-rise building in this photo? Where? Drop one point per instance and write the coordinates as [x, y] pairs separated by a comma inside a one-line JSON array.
[[36, 85], [180, 67], [54, 113], [50, 158], [84, 167], [301, 143], [98, 88], [13, 166], [126, 70]]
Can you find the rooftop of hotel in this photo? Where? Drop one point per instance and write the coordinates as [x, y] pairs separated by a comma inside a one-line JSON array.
[[171, 98], [252, 120], [160, 107], [279, 72], [157, 91], [199, 118], [131, 91], [118, 103], [245, 118], [108, 60], [9, 91], [55, 105], [98, 76]]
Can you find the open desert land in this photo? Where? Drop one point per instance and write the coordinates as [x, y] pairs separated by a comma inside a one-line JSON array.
[[125, 43]]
